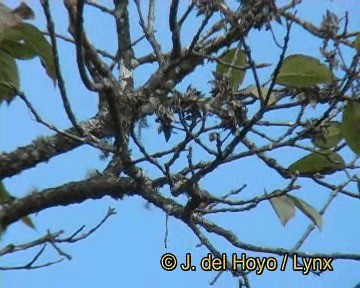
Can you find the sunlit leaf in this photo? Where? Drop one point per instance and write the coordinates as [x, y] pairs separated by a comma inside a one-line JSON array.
[[322, 161], [351, 126], [9, 77], [302, 71], [283, 207], [308, 210], [329, 137], [237, 58]]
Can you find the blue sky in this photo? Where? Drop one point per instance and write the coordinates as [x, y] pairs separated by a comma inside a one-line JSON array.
[[127, 249]]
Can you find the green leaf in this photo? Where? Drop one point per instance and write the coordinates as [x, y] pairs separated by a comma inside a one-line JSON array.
[[329, 137], [234, 57], [17, 50], [302, 71], [254, 91], [321, 161], [283, 207], [28, 222], [308, 210], [5, 196], [351, 126], [357, 43], [9, 77], [32, 38]]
